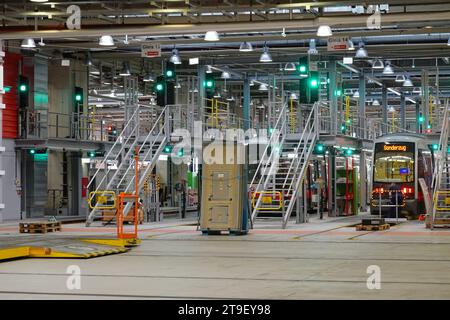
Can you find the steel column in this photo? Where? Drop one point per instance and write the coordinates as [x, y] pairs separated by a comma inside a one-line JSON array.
[[384, 109]]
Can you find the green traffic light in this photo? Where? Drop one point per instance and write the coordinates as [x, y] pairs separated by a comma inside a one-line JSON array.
[[209, 84], [302, 69], [159, 87], [313, 83], [167, 149], [348, 152], [181, 153], [338, 93], [421, 119], [78, 97], [343, 128], [32, 151], [435, 147], [23, 88], [169, 73], [91, 154], [320, 148]]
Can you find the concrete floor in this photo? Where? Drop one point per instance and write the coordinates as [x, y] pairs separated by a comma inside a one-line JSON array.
[[319, 260]]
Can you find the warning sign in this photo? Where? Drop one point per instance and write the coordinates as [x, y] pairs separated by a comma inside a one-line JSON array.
[[337, 43], [151, 50]]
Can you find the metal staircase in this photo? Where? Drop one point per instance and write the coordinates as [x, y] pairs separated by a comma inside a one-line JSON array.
[[116, 171], [283, 164], [441, 177]]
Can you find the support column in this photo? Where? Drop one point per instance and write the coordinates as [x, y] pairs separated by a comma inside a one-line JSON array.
[[363, 182], [201, 90], [246, 104], [362, 105], [2, 204], [333, 97], [403, 112], [425, 99], [384, 109]]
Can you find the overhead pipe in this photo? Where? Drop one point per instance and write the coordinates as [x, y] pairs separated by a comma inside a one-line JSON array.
[[359, 21]]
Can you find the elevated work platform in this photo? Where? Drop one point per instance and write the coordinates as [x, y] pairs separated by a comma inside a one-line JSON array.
[[41, 246]]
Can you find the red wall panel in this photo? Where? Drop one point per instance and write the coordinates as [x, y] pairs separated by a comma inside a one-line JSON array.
[[10, 121]]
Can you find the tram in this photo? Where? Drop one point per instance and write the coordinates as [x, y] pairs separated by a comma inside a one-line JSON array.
[[399, 161]]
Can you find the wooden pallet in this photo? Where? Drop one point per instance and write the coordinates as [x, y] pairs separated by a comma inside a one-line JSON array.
[[438, 222], [39, 227], [379, 227]]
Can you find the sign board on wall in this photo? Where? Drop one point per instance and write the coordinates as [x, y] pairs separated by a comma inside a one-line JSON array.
[[151, 50], [337, 43]]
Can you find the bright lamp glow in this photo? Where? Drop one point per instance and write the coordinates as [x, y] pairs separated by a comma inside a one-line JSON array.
[[361, 52], [265, 56], [324, 31], [106, 41], [388, 69], [28, 43], [408, 82], [263, 87], [211, 36]]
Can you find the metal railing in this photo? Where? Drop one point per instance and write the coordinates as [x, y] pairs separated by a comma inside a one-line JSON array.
[[122, 155], [269, 160], [299, 163], [441, 157]]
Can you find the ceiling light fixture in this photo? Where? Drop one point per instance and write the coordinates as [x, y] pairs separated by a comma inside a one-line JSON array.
[[88, 59], [245, 47], [39, 1], [388, 69], [378, 64], [175, 58], [400, 78], [361, 52], [211, 36], [208, 69], [28, 43], [263, 87], [106, 41], [225, 75], [408, 82], [125, 72], [324, 31], [293, 96], [148, 78], [376, 102], [290, 66], [351, 45], [265, 56], [356, 94]]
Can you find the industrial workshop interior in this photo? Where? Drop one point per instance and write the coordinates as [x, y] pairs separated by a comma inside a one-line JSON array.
[[224, 149]]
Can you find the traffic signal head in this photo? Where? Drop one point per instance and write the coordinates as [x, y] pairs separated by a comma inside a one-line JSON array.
[[342, 128], [180, 152], [38, 151], [170, 71], [313, 83], [78, 94], [23, 84], [159, 87], [303, 66], [209, 81], [168, 149], [320, 148], [421, 119], [435, 147], [348, 152]]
